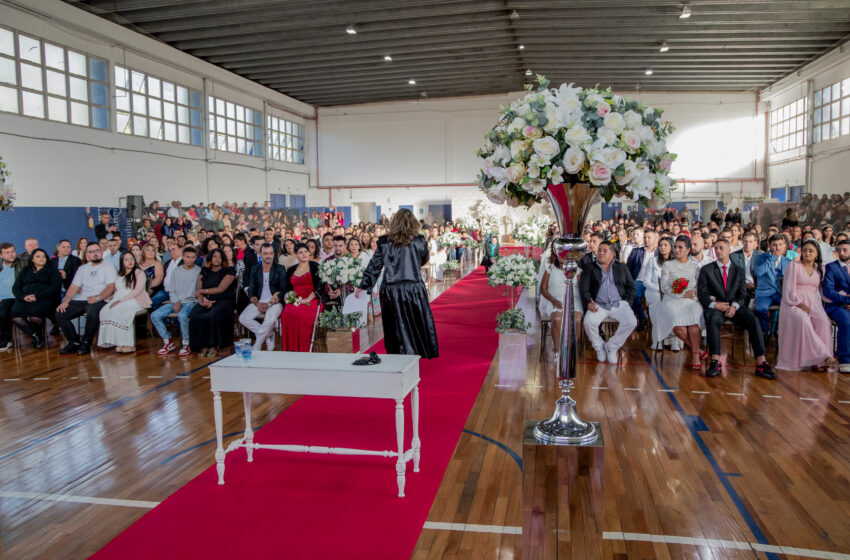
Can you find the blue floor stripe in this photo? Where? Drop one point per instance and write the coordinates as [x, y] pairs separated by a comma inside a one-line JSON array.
[[695, 424], [109, 407], [203, 443], [517, 459]]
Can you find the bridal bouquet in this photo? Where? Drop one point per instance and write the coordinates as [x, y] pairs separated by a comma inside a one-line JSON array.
[[450, 239], [679, 286], [576, 135], [513, 271], [342, 270], [7, 197], [291, 298]]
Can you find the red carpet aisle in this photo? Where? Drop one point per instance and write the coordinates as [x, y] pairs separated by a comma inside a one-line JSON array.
[[294, 505]]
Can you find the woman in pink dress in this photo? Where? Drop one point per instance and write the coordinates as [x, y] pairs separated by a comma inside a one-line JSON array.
[[297, 321], [804, 327]]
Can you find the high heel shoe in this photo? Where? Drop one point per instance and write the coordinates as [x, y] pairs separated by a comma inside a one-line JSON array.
[[703, 356], [696, 367]]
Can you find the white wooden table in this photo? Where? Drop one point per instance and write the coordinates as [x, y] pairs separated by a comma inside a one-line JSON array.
[[303, 373]]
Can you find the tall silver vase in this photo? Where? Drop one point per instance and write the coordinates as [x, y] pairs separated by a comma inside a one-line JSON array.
[[571, 204]]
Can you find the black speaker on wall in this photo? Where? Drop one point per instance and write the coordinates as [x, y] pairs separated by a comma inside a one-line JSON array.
[[135, 206]]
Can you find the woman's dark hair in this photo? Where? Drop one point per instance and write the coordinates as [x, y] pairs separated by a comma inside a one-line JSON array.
[[285, 250], [684, 239], [352, 240], [129, 275], [169, 221], [403, 227], [205, 244], [554, 260], [312, 247], [208, 259], [661, 259], [299, 246], [818, 257], [46, 256]]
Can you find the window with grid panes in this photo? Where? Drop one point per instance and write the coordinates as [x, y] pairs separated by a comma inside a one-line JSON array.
[[235, 128], [155, 108], [831, 115], [48, 81], [788, 126], [285, 139]]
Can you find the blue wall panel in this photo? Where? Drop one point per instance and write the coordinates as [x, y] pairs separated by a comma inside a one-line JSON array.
[[48, 224]]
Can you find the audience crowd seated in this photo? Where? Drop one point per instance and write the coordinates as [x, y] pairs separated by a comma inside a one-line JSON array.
[[206, 267]]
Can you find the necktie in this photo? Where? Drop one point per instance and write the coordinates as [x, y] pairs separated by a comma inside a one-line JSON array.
[[724, 277]]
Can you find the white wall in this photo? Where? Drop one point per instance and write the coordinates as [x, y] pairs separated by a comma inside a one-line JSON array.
[[57, 164], [828, 161]]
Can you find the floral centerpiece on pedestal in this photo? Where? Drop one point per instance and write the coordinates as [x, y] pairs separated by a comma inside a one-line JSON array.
[[7, 197], [333, 318], [532, 233], [512, 272], [465, 222], [450, 239], [576, 135], [342, 271]]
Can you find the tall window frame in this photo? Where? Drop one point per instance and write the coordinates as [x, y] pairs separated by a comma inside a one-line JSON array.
[[45, 80], [234, 128], [285, 139], [831, 111], [788, 127]]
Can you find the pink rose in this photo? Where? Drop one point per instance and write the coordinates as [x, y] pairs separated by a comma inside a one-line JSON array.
[[599, 174], [667, 163], [603, 109]]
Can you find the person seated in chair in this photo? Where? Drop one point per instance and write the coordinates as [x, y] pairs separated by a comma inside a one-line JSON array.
[[267, 287], [722, 291], [638, 260], [607, 291], [768, 270], [836, 289], [745, 258]]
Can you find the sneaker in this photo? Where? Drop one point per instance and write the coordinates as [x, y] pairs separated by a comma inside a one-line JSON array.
[[270, 344], [601, 355], [612, 355], [167, 346], [70, 348], [842, 368], [184, 351], [765, 371], [5, 344]]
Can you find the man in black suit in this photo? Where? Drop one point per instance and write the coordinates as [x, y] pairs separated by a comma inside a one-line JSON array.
[[266, 290], [745, 258], [606, 289], [588, 260], [66, 263], [722, 290], [105, 229]]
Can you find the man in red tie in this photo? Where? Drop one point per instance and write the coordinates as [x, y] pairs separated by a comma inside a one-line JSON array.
[[722, 291]]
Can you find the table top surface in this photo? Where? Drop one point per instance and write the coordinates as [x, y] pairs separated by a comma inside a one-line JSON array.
[[301, 361]]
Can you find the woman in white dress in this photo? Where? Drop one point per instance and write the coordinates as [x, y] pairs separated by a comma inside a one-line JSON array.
[[652, 283], [117, 318], [552, 289], [681, 313], [438, 254]]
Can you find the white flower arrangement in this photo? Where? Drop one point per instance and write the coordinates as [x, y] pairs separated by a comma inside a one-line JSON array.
[[513, 271], [512, 319], [450, 265], [576, 135], [7, 196], [291, 298], [532, 232], [450, 239], [465, 222], [342, 270]]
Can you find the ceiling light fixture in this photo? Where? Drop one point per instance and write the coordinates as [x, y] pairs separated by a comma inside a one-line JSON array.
[[388, 58], [521, 47], [411, 82], [664, 47], [648, 72], [350, 30], [514, 15], [686, 13], [528, 72]]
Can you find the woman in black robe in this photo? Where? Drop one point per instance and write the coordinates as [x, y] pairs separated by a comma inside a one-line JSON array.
[[406, 312]]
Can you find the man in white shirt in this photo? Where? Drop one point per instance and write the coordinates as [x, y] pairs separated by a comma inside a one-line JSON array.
[[93, 284], [266, 289]]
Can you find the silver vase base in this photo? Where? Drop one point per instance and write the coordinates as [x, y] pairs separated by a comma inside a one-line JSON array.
[[565, 427]]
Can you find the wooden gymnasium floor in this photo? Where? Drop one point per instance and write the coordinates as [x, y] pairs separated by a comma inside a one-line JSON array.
[[734, 467]]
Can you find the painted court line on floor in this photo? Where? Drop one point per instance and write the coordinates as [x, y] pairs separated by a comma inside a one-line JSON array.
[[718, 543], [808, 399], [471, 528], [77, 499]]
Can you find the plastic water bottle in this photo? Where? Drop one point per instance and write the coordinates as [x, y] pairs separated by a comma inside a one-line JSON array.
[[237, 345], [247, 349]]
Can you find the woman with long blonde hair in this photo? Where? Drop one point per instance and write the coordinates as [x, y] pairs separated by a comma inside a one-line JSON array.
[[408, 322]]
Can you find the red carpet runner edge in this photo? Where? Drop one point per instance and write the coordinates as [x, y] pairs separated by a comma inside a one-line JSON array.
[[293, 505]]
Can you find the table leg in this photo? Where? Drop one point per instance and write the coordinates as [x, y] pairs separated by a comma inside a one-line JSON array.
[[417, 445], [219, 448], [249, 432], [400, 465]]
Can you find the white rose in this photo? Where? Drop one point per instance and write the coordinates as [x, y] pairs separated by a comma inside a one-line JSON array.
[[615, 122], [610, 156], [516, 172], [646, 132], [607, 134], [632, 141], [599, 174], [546, 147], [573, 160], [517, 147], [593, 99], [655, 148], [576, 136], [633, 120], [523, 110], [554, 123], [631, 173], [516, 125]]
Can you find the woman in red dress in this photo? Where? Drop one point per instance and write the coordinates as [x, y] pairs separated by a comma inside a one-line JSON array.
[[297, 321]]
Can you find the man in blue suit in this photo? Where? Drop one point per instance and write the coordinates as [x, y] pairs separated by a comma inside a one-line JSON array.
[[836, 289], [768, 270], [636, 263]]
